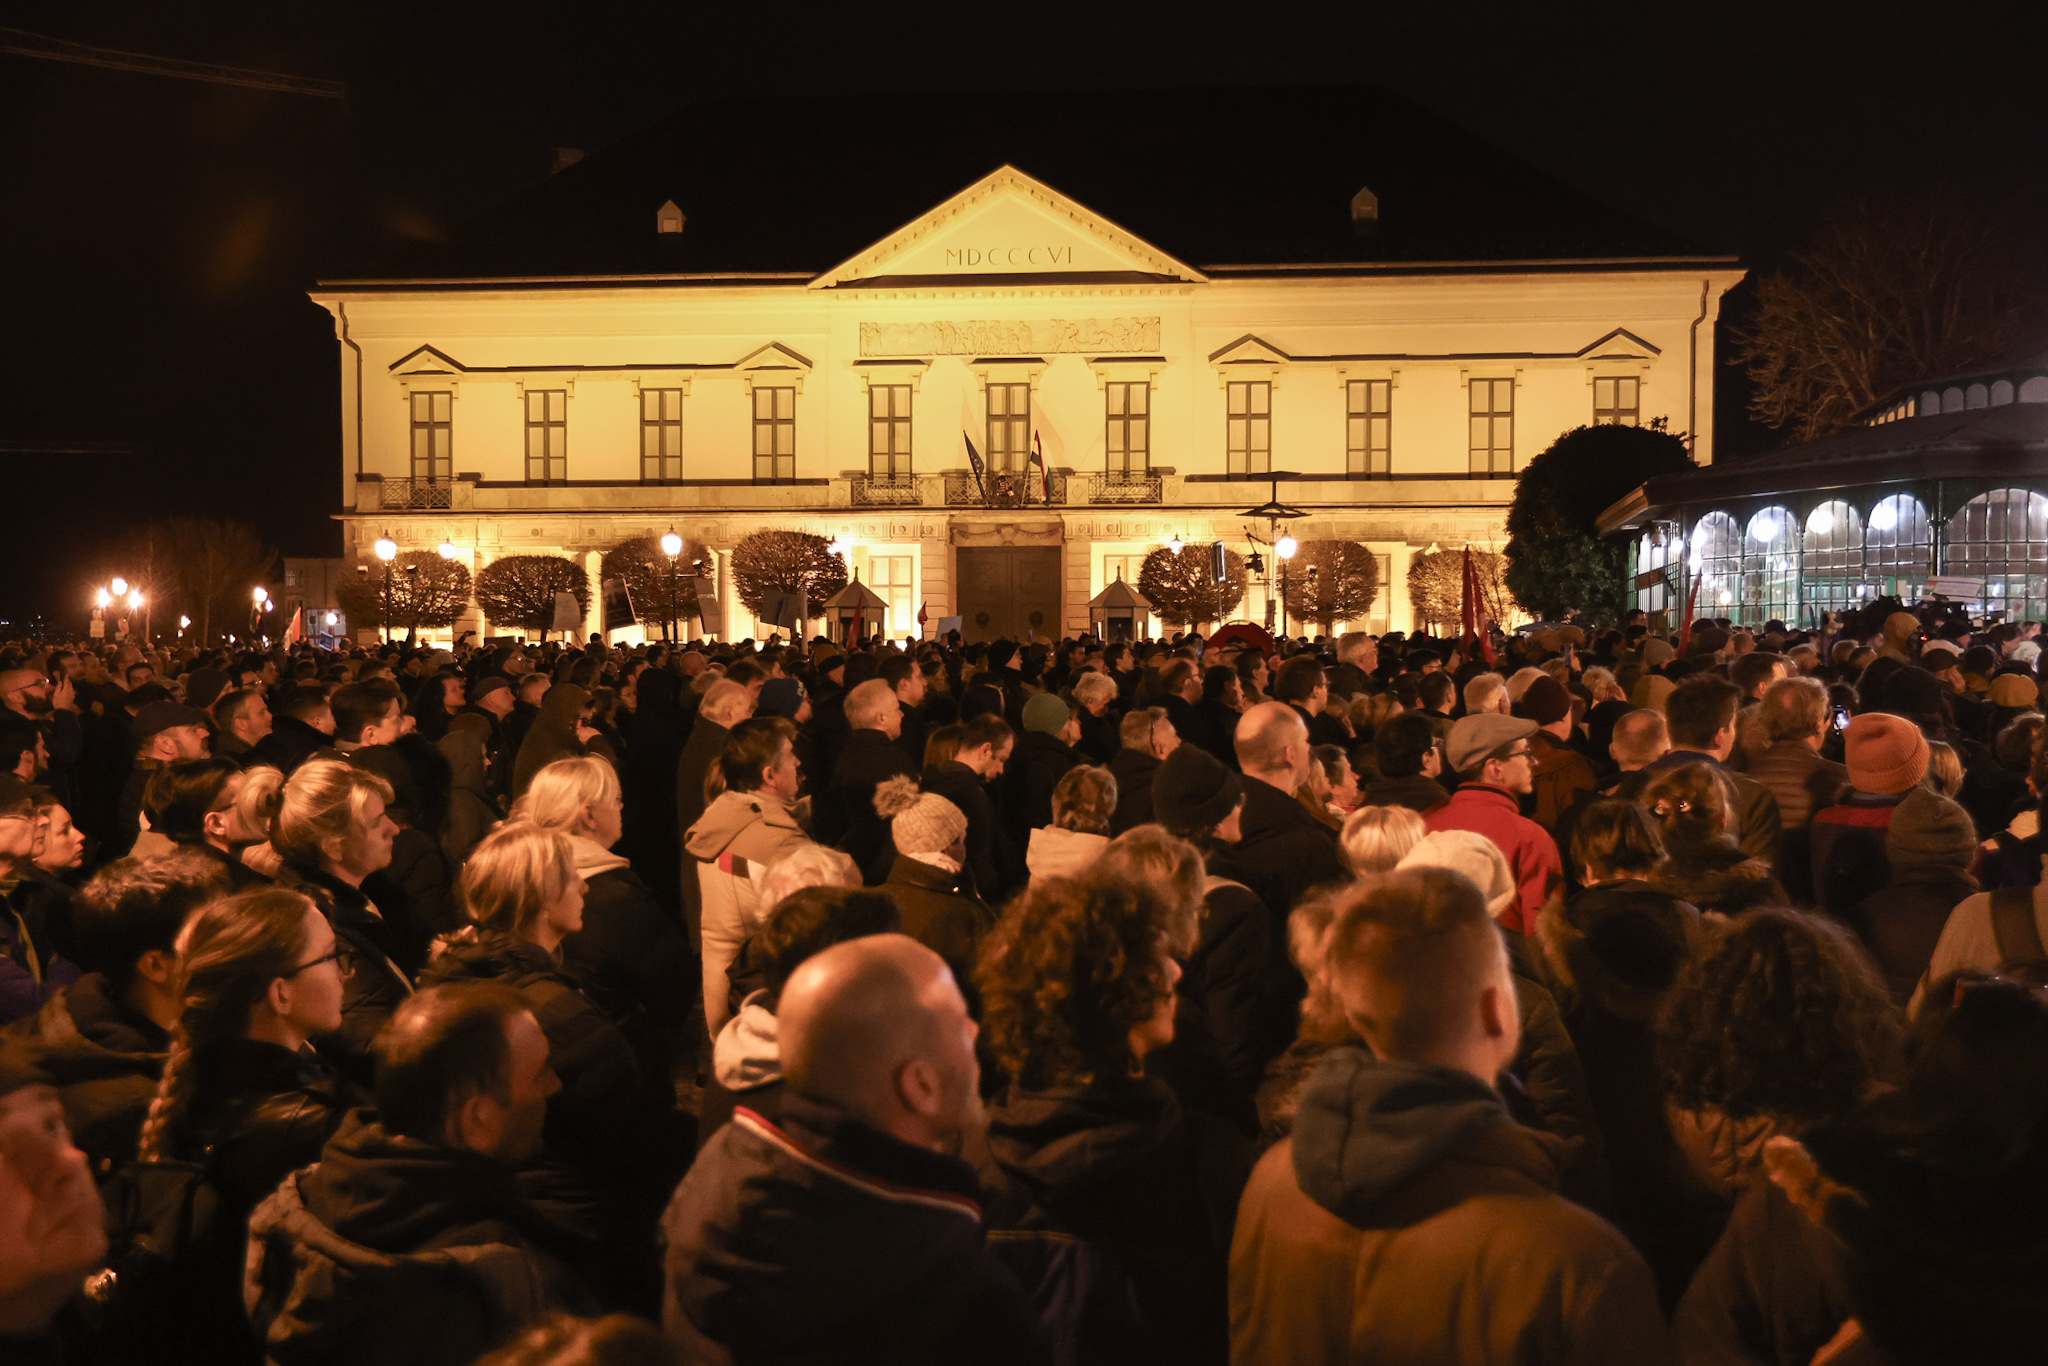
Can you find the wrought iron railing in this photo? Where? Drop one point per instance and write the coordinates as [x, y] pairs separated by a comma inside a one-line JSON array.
[[895, 490], [1006, 490], [1125, 488], [416, 494]]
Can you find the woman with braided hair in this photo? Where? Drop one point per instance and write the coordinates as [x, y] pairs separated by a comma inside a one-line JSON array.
[[259, 975]]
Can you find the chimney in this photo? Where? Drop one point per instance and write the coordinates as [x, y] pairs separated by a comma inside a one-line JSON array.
[[1365, 213], [565, 157], [668, 218]]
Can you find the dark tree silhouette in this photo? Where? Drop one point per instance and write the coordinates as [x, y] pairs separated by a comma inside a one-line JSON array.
[[426, 592], [1557, 562], [519, 590], [1181, 589], [213, 563], [767, 562], [1344, 586]]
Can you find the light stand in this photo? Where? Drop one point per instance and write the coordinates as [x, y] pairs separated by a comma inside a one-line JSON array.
[[1284, 547]]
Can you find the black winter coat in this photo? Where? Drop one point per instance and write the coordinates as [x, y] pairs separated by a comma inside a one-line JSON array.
[[378, 984], [819, 1241], [1133, 770], [1233, 1013], [635, 965], [1901, 922], [103, 1059], [651, 837], [1101, 736], [993, 865], [938, 915], [1610, 954], [1152, 1188], [1774, 1289], [845, 813], [1284, 853], [290, 743], [1037, 763], [258, 1111]]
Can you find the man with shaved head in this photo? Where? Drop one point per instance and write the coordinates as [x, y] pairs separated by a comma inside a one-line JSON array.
[[1285, 851], [845, 815], [850, 1231]]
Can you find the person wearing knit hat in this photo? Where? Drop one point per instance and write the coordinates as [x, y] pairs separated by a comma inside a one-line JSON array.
[[1931, 844], [783, 697], [1901, 629], [2016, 691], [1561, 772], [1652, 692], [924, 881], [1195, 796], [1657, 651], [1887, 758], [51, 1209]]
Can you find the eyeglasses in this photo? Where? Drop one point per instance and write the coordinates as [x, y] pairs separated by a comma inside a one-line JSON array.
[[1523, 753], [343, 959]]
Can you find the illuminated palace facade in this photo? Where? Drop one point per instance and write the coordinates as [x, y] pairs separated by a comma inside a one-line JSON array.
[[676, 334]]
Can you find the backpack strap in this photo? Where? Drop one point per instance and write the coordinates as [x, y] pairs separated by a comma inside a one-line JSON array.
[[2014, 928]]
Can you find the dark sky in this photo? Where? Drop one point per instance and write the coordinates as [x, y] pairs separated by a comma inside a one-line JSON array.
[[157, 236]]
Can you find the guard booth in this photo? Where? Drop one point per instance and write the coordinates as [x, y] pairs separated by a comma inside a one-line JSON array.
[[855, 611], [1119, 612]]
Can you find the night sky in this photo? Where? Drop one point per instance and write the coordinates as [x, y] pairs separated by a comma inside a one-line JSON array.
[[158, 353]]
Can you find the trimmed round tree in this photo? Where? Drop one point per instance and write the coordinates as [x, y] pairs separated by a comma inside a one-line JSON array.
[[1557, 562], [427, 593], [1436, 589], [519, 590], [645, 568], [1181, 588], [767, 562], [1343, 587]]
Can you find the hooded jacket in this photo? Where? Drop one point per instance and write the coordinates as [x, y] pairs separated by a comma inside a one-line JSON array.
[[472, 803], [821, 1240], [104, 1060], [940, 916], [552, 735], [734, 843], [378, 984], [1062, 853], [1284, 853], [746, 1069], [1407, 1219], [1150, 1187], [257, 1112], [1133, 770], [630, 959], [393, 1252]]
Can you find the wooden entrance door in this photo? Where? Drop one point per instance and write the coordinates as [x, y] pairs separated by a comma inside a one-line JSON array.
[[1006, 591]]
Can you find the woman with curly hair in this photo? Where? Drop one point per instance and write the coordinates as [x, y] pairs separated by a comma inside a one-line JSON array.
[[1777, 1022], [1083, 803], [1694, 815], [1077, 984]]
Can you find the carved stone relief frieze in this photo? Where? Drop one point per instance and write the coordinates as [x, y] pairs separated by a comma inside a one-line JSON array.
[[1019, 337]]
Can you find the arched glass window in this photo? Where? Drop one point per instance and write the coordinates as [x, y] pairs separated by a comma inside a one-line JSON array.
[[1770, 568], [1897, 548], [1656, 549], [2002, 537], [1715, 556], [1831, 559]]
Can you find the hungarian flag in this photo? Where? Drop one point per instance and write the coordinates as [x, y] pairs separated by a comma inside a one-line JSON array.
[[1473, 611], [974, 461], [1038, 458]]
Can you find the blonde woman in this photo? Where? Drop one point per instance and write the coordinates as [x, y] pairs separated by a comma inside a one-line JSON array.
[[610, 1144], [1375, 838], [327, 832], [628, 957]]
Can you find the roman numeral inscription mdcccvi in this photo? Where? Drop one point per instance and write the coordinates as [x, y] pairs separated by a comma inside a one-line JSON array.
[[1000, 258]]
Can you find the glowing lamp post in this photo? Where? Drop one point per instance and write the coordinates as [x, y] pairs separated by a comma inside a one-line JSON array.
[[259, 603], [387, 551], [671, 546]]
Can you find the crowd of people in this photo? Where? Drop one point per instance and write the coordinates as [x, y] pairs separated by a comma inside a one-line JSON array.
[[1575, 996]]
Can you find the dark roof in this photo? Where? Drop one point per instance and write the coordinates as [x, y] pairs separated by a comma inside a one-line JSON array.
[[1243, 177], [2008, 442]]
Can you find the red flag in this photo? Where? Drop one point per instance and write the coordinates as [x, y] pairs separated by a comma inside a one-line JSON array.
[[921, 618], [1038, 459], [1692, 595], [295, 634], [853, 628], [1473, 611]]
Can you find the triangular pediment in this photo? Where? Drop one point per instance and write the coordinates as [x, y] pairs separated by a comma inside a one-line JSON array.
[[427, 360], [1249, 350], [1004, 226], [773, 356], [1621, 344]]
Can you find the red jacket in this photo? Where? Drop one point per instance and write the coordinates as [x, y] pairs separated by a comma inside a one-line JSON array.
[[1531, 852]]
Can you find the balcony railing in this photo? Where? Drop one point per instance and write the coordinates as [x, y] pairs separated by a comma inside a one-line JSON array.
[[1005, 490], [1125, 488], [885, 491], [416, 495]]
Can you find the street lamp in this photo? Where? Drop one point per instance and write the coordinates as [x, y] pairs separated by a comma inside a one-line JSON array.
[[1288, 547], [120, 586], [1175, 544], [387, 551], [671, 546], [258, 596], [449, 550]]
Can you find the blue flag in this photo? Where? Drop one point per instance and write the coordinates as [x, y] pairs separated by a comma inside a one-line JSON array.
[[974, 459]]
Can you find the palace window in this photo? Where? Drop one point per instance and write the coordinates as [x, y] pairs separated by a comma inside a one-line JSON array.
[[774, 434], [1493, 426], [1009, 427], [1129, 439], [889, 576], [661, 435], [433, 437], [889, 431], [1618, 400], [547, 436], [1125, 567], [1368, 426], [1249, 445]]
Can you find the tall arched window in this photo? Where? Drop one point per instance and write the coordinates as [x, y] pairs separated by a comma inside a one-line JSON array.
[[1655, 550], [1715, 556], [2002, 537], [1770, 568], [1897, 548], [1831, 559]]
